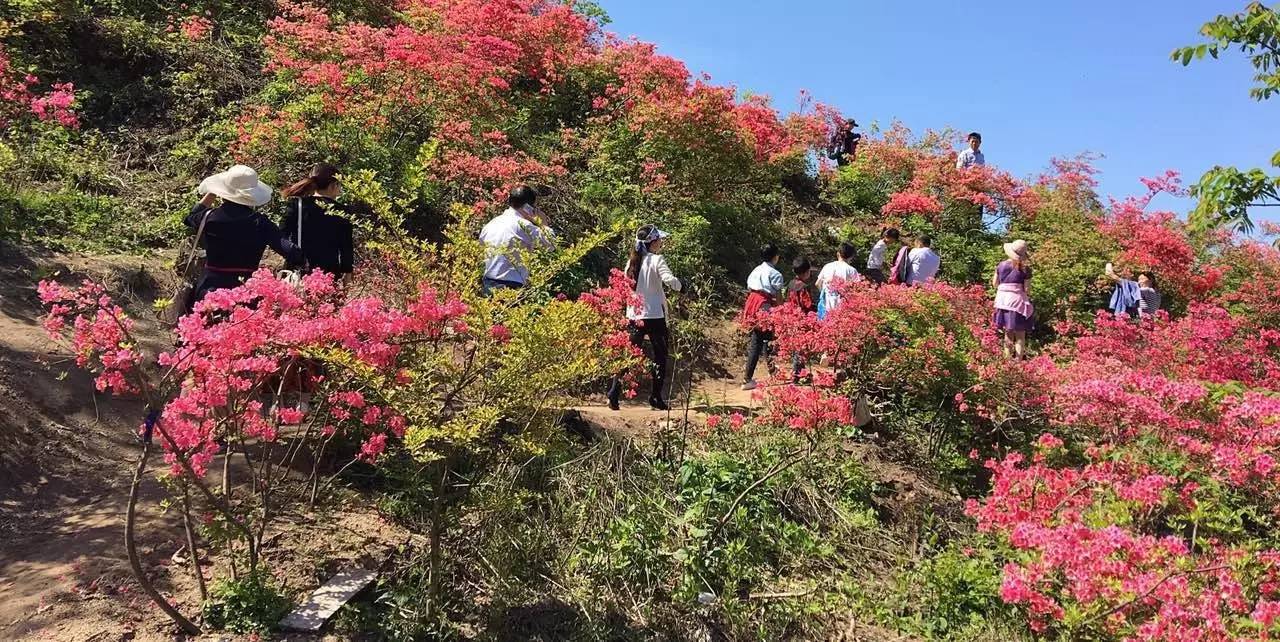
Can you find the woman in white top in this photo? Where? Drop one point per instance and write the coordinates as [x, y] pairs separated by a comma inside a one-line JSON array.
[[648, 316]]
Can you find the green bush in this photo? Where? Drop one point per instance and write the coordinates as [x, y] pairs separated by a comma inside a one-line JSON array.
[[251, 604]]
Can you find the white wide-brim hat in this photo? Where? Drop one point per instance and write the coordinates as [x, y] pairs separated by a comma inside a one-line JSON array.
[[1017, 250], [239, 184]]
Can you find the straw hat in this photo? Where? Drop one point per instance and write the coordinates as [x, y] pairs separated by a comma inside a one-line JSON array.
[[1017, 250], [239, 184]]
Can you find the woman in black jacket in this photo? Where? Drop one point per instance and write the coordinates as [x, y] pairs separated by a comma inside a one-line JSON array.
[[235, 235], [324, 236]]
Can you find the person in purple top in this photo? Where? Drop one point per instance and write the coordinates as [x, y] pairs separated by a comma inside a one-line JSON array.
[[1014, 313]]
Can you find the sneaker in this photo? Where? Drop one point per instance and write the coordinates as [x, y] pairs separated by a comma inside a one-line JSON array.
[[750, 384], [658, 404]]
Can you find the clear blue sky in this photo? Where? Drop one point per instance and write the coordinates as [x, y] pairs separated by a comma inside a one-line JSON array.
[[1038, 78]]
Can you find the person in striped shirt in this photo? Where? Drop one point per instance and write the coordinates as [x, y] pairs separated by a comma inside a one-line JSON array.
[[1141, 294]]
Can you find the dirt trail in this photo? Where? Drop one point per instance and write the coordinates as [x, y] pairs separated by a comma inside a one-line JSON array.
[[65, 455], [66, 459]]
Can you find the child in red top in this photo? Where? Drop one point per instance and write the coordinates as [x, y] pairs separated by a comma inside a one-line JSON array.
[[799, 293]]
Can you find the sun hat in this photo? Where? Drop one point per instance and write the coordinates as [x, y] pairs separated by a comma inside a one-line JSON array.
[[1017, 250], [239, 184]]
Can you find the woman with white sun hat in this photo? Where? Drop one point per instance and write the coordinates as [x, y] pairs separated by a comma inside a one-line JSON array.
[[234, 233], [1014, 313]]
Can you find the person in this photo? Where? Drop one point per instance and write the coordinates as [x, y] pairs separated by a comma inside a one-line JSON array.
[[801, 295], [522, 226], [900, 271], [1138, 296], [1014, 313], [844, 145], [923, 261], [235, 234], [647, 316], [973, 155], [875, 261], [310, 222], [832, 276], [764, 286]]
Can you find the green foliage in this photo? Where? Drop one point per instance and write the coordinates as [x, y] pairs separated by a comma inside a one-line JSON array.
[[952, 594], [1070, 255], [251, 604], [1226, 193]]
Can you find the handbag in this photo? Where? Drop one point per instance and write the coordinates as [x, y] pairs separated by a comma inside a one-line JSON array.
[[294, 277], [181, 300]]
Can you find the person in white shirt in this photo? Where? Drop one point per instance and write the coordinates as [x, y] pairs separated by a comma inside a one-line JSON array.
[[832, 276], [973, 155], [647, 317], [764, 285], [924, 261], [521, 227], [875, 261]]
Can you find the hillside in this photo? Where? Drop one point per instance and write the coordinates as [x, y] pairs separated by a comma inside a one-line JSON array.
[[912, 463]]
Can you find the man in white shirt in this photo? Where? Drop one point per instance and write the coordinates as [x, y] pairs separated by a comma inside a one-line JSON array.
[[923, 260], [973, 155], [521, 227], [832, 275], [875, 261], [764, 285]]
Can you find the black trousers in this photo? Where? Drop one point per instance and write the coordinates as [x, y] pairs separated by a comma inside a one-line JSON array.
[[876, 275], [210, 281], [655, 330], [757, 346]]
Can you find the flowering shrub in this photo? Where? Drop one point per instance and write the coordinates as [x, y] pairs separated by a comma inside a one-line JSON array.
[[18, 100], [1150, 521], [423, 371]]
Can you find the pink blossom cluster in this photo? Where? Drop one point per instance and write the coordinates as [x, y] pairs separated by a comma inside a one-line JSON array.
[[97, 328], [467, 63], [18, 100], [1161, 424]]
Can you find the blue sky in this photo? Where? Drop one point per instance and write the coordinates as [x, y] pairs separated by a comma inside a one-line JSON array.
[[1039, 79]]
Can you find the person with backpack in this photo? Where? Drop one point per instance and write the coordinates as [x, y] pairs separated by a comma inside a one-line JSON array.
[[232, 230], [844, 145], [876, 260], [900, 269], [312, 222], [647, 315]]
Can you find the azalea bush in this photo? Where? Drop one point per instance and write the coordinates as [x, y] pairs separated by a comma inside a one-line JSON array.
[[1148, 514], [428, 371]]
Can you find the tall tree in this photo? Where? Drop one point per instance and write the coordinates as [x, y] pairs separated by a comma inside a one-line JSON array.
[[1226, 193]]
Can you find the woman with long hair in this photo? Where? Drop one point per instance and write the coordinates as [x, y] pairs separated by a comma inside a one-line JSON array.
[[311, 223], [647, 317], [1013, 316]]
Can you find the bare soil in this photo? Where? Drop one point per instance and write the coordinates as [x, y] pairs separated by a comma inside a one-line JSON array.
[[67, 454]]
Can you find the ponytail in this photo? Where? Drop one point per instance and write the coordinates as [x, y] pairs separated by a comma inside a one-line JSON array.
[[323, 175], [636, 259]]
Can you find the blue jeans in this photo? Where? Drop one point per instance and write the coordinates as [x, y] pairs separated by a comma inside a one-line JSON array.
[[488, 285]]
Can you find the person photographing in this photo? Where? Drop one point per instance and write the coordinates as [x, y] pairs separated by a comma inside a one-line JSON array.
[[521, 227]]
